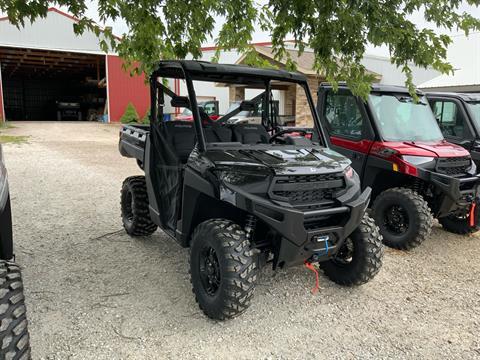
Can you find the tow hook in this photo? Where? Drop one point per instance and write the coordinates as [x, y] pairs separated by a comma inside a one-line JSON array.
[[471, 215]]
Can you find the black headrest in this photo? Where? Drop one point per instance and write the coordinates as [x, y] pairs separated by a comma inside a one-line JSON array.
[[180, 101]]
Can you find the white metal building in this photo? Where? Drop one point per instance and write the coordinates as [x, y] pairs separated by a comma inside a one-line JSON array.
[[464, 55]]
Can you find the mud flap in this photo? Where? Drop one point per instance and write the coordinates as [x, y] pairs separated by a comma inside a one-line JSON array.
[[6, 237]]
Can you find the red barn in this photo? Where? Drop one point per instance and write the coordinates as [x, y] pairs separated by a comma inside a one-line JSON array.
[[49, 73]]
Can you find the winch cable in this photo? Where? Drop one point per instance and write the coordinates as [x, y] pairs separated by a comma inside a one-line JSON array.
[[310, 266]]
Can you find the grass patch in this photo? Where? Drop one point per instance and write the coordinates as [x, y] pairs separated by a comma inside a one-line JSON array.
[[6, 125], [11, 139]]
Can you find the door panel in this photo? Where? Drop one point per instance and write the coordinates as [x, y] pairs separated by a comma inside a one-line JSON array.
[[347, 126], [357, 151], [452, 119]]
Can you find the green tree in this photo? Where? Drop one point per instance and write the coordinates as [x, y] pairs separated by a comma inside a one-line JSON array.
[[146, 118], [338, 31], [130, 115]]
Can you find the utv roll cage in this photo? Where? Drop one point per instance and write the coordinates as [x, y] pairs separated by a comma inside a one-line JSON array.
[[191, 71]]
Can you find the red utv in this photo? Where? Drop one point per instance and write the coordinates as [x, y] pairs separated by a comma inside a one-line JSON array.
[[399, 151], [210, 108]]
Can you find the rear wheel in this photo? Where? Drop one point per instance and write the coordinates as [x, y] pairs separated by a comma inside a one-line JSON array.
[[14, 337], [134, 202], [457, 224], [223, 269], [404, 218], [360, 257]]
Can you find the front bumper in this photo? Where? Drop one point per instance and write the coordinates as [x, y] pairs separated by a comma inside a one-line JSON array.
[[299, 239], [457, 194]]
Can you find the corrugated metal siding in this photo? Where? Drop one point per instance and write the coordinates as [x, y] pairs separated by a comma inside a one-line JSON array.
[[2, 109], [122, 89], [54, 32]]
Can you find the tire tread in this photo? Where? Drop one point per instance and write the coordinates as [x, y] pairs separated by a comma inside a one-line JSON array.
[[241, 268], [368, 266], [424, 217], [15, 339], [142, 224]]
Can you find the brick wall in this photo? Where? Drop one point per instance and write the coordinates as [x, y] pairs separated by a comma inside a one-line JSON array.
[[302, 112], [236, 94]]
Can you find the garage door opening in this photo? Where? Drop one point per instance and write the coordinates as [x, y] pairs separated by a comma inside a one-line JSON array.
[[53, 85]]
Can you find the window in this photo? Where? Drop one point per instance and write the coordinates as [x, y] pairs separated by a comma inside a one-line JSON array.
[[399, 118], [475, 110], [449, 118], [343, 116], [210, 107]]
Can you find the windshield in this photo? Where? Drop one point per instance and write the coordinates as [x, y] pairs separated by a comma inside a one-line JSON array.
[[243, 115], [475, 110], [187, 112], [399, 118]]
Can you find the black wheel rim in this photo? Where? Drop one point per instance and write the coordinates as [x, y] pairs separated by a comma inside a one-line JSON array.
[[128, 206], [396, 220], [210, 270], [345, 254]]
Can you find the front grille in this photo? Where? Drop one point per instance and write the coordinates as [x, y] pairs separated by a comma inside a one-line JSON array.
[[454, 166], [308, 196], [307, 189]]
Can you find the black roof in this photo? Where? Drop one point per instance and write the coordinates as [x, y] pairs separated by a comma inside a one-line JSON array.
[[379, 88], [474, 97], [223, 73]]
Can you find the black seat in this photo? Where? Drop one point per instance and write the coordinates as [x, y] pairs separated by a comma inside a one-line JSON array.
[[250, 134], [217, 133], [181, 136]]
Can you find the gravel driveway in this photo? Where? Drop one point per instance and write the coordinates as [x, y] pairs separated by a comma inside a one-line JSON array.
[[95, 293]]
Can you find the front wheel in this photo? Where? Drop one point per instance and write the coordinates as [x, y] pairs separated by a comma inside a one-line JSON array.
[[223, 269], [457, 224], [359, 259], [404, 218]]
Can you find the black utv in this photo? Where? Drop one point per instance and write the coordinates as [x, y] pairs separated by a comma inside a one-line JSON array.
[[243, 195], [14, 336], [458, 115]]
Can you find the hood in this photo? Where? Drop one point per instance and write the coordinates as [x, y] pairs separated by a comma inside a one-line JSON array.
[[433, 149], [184, 117], [282, 161]]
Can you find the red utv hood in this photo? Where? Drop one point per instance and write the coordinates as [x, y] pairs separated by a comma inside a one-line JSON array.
[[184, 117], [436, 149]]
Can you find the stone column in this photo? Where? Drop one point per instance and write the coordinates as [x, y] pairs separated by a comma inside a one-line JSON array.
[[236, 94]]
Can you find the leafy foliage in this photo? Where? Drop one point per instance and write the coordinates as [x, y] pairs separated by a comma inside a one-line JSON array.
[[146, 118], [338, 31], [130, 115]]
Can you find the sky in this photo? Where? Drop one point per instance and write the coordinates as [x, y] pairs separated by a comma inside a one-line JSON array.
[[119, 27]]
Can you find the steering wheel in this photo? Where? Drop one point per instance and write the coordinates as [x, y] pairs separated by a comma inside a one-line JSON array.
[[288, 131]]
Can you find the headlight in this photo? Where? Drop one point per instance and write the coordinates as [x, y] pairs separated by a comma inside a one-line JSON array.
[[418, 160], [240, 178], [349, 172]]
